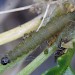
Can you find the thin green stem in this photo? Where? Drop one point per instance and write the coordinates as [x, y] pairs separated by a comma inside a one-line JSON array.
[[37, 62], [19, 31]]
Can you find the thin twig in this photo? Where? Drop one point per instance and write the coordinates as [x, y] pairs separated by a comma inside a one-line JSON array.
[[46, 12], [16, 9]]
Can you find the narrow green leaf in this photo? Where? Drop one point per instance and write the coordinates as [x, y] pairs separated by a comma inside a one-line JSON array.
[[37, 62], [63, 63]]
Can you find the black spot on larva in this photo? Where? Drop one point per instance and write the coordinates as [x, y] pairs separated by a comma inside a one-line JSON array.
[[60, 51], [5, 61]]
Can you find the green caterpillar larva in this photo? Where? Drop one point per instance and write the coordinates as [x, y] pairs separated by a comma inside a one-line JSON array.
[[30, 43]]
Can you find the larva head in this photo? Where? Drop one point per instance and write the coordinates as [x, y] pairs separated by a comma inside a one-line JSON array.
[[5, 60]]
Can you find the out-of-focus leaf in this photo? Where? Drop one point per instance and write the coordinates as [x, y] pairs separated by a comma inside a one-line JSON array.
[[63, 63], [69, 72]]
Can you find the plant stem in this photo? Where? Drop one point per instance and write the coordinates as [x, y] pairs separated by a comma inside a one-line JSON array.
[[19, 31], [37, 62]]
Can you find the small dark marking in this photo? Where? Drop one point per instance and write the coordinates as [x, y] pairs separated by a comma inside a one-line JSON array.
[[5, 60], [60, 51], [25, 36], [46, 51]]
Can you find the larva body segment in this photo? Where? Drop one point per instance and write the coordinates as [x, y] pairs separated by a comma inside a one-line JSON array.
[[67, 34]]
